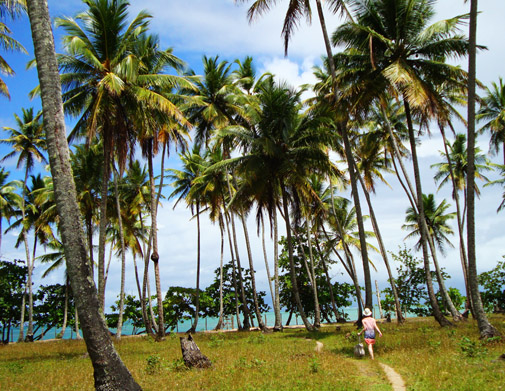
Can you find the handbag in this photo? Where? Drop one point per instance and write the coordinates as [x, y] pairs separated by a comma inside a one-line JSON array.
[[359, 350]]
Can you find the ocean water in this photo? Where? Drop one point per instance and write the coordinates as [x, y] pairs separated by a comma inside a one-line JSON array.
[[204, 324]]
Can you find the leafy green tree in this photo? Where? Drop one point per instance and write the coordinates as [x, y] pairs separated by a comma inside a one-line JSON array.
[[12, 286], [132, 313], [210, 306], [493, 284], [411, 285], [50, 307], [342, 292]]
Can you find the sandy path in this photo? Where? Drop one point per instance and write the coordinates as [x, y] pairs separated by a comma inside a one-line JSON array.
[[394, 378]]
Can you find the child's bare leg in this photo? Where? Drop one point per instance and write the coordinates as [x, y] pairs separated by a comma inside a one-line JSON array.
[[370, 350]]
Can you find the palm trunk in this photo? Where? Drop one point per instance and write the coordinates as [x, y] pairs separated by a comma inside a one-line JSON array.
[[422, 222], [154, 255], [109, 371], [455, 196], [103, 227], [21, 336], [197, 296], [261, 325], [375, 225], [456, 316], [267, 267], [123, 259], [221, 304], [328, 279], [245, 309], [317, 310], [76, 325], [277, 304], [65, 311], [342, 127], [234, 275], [485, 327], [292, 272]]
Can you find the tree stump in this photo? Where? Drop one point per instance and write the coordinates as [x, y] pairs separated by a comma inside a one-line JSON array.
[[193, 357]]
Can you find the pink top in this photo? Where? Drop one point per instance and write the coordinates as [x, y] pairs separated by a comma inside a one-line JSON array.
[[369, 323]]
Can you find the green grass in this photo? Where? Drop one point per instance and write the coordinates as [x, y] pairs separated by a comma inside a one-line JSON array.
[[427, 357]]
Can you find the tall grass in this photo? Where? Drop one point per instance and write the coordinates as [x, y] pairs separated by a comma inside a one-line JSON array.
[[427, 356]]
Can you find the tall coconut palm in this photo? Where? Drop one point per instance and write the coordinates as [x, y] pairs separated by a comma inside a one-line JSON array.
[[95, 74], [397, 49], [12, 9], [109, 370], [161, 124], [296, 10], [485, 327], [277, 153], [492, 111], [28, 143]]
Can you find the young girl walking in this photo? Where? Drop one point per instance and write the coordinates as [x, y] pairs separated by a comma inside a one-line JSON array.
[[369, 327]]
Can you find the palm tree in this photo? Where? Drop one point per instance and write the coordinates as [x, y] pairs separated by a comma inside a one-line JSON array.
[[95, 74], [437, 222], [296, 10], [485, 327], [10, 201], [397, 49], [278, 153], [492, 110], [28, 142], [109, 370], [12, 9]]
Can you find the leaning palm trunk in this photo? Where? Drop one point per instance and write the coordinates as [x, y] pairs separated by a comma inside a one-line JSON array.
[[234, 274], [265, 257], [123, 259], [292, 273], [245, 309], [328, 280], [422, 222], [342, 127], [485, 328], [76, 325], [455, 196], [317, 310], [375, 225], [109, 371], [277, 304], [446, 299], [261, 325]]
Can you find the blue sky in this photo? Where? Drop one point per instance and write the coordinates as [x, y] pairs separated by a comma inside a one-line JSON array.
[[201, 27]]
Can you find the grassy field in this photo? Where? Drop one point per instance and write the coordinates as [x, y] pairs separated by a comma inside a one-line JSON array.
[[427, 357]]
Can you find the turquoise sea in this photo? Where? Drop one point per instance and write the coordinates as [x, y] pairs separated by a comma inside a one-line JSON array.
[[204, 324]]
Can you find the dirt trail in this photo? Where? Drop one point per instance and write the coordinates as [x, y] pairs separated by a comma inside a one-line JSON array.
[[394, 377]]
